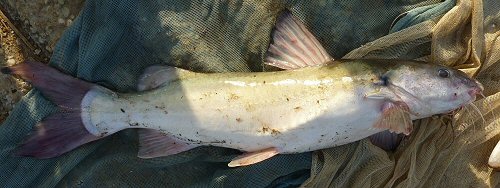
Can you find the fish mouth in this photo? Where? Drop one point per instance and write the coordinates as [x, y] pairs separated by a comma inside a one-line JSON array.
[[476, 89]]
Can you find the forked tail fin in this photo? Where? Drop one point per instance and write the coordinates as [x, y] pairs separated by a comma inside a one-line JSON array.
[[64, 130]]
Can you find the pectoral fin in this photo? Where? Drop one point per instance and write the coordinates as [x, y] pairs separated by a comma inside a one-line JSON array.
[[253, 157], [395, 117], [294, 46], [379, 95]]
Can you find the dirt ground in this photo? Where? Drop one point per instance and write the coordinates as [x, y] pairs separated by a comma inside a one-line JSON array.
[[29, 30]]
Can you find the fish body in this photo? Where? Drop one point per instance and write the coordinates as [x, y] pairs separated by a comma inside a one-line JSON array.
[[295, 111], [316, 103]]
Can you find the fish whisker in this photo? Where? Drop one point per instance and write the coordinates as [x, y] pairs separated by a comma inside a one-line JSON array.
[[491, 108], [467, 112], [452, 133], [478, 111], [449, 117]]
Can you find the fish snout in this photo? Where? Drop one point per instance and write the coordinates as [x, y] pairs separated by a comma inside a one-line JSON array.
[[476, 89]]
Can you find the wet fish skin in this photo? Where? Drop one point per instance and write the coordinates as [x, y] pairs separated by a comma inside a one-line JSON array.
[[254, 111]]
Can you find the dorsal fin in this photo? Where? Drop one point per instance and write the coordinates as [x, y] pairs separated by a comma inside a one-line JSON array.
[[294, 46]]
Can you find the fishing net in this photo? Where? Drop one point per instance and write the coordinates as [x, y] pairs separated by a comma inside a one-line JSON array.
[[111, 42]]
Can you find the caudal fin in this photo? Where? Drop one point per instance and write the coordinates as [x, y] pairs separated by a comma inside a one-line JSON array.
[[57, 134], [64, 130]]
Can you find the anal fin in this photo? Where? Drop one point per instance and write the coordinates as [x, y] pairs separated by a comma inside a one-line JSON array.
[[253, 157], [153, 143], [395, 117]]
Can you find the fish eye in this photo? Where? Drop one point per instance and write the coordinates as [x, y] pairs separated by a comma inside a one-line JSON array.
[[444, 73]]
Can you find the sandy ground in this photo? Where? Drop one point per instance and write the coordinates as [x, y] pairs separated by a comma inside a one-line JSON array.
[[29, 30], [11, 89]]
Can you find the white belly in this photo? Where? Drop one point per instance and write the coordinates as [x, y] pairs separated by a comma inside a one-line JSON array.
[[292, 126]]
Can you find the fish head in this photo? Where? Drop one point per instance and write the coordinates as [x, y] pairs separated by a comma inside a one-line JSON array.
[[430, 89]]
